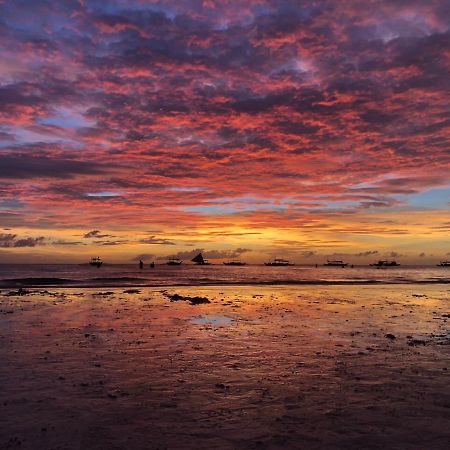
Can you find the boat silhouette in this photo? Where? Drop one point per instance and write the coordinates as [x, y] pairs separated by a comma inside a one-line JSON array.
[[385, 263], [97, 262], [445, 263], [278, 262], [234, 263], [335, 263], [200, 260], [174, 262]]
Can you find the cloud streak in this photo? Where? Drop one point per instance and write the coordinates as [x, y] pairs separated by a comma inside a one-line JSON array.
[[11, 240]]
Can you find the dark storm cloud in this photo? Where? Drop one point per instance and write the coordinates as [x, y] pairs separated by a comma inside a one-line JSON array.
[[297, 127], [28, 166], [20, 94], [38, 97], [261, 104], [11, 240]]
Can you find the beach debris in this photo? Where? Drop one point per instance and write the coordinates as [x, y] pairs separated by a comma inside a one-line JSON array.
[[416, 342], [20, 292], [197, 300], [175, 297], [132, 291], [168, 405], [13, 442], [390, 336], [442, 339]]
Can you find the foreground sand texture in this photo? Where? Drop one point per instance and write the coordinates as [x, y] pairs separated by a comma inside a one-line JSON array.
[[313, 367]]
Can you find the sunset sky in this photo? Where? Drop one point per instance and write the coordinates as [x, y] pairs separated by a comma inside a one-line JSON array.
[[246, 129]]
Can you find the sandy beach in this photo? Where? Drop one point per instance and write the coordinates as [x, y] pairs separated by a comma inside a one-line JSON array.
[[304, 367]]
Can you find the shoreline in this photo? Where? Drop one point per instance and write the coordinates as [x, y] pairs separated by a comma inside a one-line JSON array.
[[11, 284]]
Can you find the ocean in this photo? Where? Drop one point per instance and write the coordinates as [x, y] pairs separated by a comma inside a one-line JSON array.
[[83, 275]]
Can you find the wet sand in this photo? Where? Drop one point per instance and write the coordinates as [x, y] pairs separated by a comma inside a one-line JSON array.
[[308, 367]]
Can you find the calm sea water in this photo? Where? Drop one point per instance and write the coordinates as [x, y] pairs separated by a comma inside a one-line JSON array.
[[188, 274]]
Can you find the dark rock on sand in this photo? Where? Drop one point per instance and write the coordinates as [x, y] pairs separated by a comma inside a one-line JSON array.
[[390, 336], [174, 297], [198, 300], [20, 292], [192, 300], [414, 342]]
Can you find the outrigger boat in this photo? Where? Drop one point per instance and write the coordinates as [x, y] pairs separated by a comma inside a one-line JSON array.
[[278, 262], [385, 263], [97, 262], [174, 262], [336, 263], [444, 264], [235, 263], [200, 260]]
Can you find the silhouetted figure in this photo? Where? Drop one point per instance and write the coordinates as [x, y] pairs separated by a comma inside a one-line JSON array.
[[152, 265], [316, 266], [141, 264]]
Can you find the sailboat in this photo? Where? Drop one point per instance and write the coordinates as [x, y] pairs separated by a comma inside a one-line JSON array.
[[200, 260]]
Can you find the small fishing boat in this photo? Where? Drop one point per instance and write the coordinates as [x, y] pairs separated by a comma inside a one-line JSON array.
[[336, 263], [444, 264], [174, 262], [234, 263], [278, 262], [385, 263], [200, 260], [97, 262]]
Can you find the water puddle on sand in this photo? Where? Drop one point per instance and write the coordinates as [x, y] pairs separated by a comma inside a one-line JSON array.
[[211, 319]]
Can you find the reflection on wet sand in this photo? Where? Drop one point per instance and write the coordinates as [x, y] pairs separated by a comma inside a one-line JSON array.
[[257, 367]]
